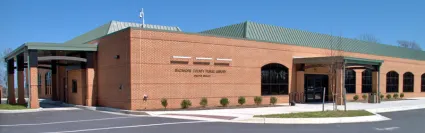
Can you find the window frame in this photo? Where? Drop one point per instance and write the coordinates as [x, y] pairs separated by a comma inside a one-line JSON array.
[[408, 82], [367, 80], [350, 81], [274, 79], [392, 82], [423, 82], [74, 86]]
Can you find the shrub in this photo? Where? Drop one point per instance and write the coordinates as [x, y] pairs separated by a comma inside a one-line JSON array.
[[204, 102], [388, 96], [273, 100], [224, 102], [402, 95], [185, 104], [241, 100], [364, 96], [356, 97], [164, 103], [258, 100], [382, 96], [395, 95]]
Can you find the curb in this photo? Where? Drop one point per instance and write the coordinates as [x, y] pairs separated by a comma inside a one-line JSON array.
[[94, 108], [396, 109], [20, 111], [360, 119], [108, 109]]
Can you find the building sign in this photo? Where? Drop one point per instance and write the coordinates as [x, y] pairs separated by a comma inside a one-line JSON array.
[[199, 72]]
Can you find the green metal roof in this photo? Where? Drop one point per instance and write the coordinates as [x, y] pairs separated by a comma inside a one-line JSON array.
[[115, 26], [282, 35], [51, 46]]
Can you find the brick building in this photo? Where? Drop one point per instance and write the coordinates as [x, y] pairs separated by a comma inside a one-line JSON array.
[[132, 66]]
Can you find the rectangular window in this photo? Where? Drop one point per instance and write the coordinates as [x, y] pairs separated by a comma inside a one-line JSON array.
[[74, 86]]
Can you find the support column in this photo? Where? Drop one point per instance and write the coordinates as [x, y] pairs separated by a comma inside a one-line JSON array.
[[33, 78], [89, 79], [21, 90], [11, 81], [300, 84], [359, 80], [54, 81]]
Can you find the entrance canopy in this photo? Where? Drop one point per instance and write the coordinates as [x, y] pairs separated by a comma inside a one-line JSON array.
[[33, 56], [348, 61], [60, 47]]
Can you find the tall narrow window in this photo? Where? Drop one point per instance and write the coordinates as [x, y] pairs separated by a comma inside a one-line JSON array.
[[408, 80], [39, 83], [350, 81], [74, 86], [46, 84], [274, 79], [367, 81], [423, 83], [392, 81]]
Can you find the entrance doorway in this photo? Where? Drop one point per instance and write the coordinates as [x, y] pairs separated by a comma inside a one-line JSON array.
[[314, 84]]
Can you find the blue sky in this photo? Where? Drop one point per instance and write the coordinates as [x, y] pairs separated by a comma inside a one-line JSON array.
[[60, 20]]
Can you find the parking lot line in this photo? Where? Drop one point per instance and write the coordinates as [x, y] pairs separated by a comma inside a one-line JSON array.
[[121, 127], [60, 122]]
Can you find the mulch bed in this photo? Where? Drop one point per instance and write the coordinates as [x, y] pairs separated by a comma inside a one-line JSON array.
[[215, 107], [383, 100]]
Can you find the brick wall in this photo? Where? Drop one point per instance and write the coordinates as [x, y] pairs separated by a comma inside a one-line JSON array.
[[113, 73], [75, 97], [153, 74]]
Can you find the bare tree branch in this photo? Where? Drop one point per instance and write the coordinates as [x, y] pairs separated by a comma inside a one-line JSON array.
[[368, 38], [409, 44], [3, 70]]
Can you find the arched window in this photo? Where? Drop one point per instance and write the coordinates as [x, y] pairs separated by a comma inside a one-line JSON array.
[[392, 81], [350, 81], [423, 83], [408, 80], [274, 79], [367, 81]]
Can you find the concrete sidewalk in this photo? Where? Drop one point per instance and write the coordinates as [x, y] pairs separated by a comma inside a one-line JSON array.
[[244, 114]]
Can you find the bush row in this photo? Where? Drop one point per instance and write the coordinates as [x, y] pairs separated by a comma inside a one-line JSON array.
[[223, 102], [388, 96]]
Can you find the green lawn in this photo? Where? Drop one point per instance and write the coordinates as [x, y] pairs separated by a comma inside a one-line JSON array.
[[12, 107], [320, 114]]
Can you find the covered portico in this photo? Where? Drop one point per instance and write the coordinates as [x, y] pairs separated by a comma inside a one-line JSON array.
[[30, 57], [318, 75]]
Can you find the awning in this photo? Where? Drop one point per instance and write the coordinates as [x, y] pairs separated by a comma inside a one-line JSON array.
[[337, 59], [51, 46]]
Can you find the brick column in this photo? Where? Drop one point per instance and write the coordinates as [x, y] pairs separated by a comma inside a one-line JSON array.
[[21, 90], [33, 78], [359, 80], [375, 81], [89, 78], [300, 85], [54, 81], [11, 81]]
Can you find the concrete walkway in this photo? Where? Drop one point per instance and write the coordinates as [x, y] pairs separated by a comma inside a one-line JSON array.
[[246, 114]]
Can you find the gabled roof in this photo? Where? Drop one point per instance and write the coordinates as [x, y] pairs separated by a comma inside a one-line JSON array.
[[269, 33], [114, 26]]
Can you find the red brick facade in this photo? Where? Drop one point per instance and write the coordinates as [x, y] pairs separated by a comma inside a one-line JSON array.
[[132, 63]]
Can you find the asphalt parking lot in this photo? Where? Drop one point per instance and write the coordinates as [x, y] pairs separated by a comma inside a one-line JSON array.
[[76, 121]]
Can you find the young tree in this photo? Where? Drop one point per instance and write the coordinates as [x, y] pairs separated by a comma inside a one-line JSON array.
[[334, 66], [3, 72], [409, 44]]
